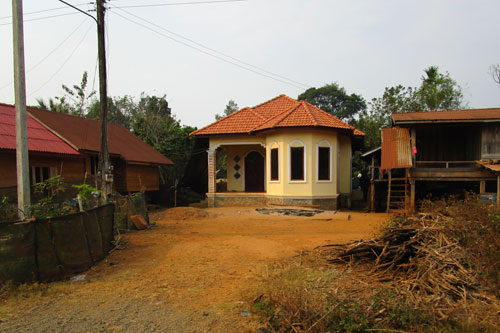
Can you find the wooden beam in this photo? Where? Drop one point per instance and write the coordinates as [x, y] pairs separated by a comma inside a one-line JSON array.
[[471, 173], [372, 195], [482, 186], [389, 192]]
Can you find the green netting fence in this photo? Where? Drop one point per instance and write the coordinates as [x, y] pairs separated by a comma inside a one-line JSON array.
[[51, 249]]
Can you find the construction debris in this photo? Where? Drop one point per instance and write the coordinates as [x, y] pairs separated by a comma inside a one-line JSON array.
[[420, 257], [289, 212]]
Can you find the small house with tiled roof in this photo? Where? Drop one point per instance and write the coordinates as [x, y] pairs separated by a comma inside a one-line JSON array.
[[282, 151]]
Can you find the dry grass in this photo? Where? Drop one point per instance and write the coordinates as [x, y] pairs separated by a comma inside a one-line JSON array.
[[436, 271]]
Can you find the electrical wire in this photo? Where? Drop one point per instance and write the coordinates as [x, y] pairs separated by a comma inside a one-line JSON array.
[[46, 10], [64, 62], [42, 18], [304, 86], [179, 3], [50, 53], [276, 77]]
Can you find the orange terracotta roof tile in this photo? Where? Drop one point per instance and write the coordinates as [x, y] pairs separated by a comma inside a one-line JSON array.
[[279, 112]]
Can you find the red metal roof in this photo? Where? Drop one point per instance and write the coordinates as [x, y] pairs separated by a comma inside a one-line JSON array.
[[84, 134], [279, 112], [471, 115], [40, 139]]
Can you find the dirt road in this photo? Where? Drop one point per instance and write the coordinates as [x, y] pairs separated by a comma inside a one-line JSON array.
[[190, 273]]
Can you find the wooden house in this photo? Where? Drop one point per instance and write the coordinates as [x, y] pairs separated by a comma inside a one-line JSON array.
[[48, 154], [135, 163], [451, 147], [282, 151]]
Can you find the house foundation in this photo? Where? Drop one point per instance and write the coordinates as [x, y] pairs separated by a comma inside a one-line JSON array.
[[260, 199]]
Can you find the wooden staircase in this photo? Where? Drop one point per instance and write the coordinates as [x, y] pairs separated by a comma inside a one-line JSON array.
[[398, 198]]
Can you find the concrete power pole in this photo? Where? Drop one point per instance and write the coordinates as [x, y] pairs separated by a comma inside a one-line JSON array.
[[104, 165], [23, 185]]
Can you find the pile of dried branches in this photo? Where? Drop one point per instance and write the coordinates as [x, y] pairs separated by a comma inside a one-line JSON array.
[[419, 257]]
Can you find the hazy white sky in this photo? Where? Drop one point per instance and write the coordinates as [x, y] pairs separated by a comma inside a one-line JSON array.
[[363, 45]]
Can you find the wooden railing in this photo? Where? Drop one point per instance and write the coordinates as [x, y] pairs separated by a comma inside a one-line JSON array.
[[444, 164]]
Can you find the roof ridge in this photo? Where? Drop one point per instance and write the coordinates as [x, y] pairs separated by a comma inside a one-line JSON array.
[[257, 114], [219, 120], [308, 110], [286, 112], [282, 114], [53, 131], [60, 113], [272, 99], [331, 115]]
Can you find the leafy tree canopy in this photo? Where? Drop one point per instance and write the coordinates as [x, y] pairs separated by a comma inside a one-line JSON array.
[[335, 100], [75, 101], [231, 107], [437, 91]]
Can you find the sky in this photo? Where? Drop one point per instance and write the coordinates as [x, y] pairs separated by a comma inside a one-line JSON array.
[[202, 55]]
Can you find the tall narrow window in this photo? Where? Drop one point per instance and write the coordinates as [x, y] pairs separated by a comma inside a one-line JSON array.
[[323, 163], [94, 164], [39, 174], [274, 165], [296, 163]]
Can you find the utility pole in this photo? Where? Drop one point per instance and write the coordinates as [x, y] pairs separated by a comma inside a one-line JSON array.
[[22, 162], [104, 165]]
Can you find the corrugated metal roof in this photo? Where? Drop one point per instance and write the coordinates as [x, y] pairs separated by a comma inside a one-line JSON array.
[[85, 134], [472, 115], [396, 148], [279, 112], [40, 139]]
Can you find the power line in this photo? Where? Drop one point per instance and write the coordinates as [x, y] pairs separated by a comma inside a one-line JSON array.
[[49, 54], [41, 18], [179, 3], [215, 51], [64, 62], [46, 10], [236, 62]]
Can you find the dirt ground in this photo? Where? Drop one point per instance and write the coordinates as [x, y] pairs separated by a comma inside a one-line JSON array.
[[190, 273]]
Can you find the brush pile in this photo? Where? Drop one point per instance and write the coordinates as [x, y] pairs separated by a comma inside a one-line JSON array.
[[419, 256]]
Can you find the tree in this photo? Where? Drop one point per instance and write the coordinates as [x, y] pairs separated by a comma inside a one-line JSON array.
[[76, 100], [439, 91], [153, 122], [56, 105], [495, 72], [231, 107], [120, 110], [335, 100]]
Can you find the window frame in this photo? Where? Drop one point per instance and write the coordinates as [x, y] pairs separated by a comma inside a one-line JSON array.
[[297, 144], [274, 147], [324, 144], [50, 171]]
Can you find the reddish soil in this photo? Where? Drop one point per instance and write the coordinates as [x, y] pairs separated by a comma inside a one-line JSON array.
[[189, 273]]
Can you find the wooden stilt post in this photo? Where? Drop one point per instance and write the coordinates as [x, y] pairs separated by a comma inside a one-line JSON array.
[[412, 194], [372, 195], [498, 192], [482, 186], [389, 191]]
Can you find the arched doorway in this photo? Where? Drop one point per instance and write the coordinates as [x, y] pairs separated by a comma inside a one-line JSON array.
[[254, 172]]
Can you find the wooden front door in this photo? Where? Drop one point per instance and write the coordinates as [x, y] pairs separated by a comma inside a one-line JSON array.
[[254, 172]]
